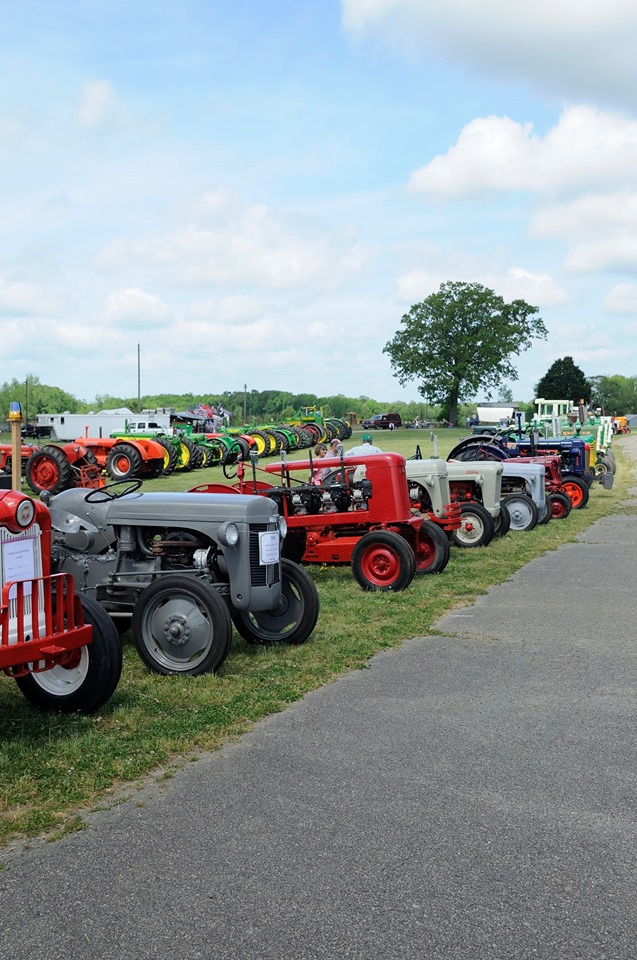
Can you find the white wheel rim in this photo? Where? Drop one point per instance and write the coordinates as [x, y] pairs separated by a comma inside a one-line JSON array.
[[62, 681]]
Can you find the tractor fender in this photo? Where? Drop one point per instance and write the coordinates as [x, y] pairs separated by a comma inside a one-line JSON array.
[[74, 451], [147, 448]]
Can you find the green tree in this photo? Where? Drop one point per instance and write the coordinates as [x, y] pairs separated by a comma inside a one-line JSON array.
[[458, 342], [564, 381], [616, 395]]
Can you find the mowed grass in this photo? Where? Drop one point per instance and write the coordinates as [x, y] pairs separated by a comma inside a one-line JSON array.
[[52, 767]]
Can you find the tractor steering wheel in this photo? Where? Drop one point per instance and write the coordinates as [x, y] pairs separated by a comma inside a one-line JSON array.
[[227, 468], [102, 494]]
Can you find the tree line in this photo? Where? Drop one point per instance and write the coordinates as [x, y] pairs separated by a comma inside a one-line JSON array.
[[258, 405]]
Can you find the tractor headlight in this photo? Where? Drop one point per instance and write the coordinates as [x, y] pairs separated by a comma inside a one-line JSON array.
[[228, 533], [25, 512], [283, 528]]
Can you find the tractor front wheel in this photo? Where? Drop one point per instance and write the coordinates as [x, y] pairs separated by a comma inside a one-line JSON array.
[[124, 462], [292, 620], [383, 560], [502, 523], [476, 528], [431, 549], [576, 490], [181, 626], [523, 512], [87, 677], [560, 505]]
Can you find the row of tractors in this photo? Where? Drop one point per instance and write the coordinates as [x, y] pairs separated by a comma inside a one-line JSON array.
[[83, 565], [392, 518], [87, 460]]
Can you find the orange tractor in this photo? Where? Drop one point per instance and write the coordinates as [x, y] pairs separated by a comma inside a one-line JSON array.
[[81, 463]]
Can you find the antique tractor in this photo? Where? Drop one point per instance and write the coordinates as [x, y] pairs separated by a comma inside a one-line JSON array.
[[180, 570], [61, 648], [575, 456], [6, 456], [470, 489], [56, 468], [360, 514]]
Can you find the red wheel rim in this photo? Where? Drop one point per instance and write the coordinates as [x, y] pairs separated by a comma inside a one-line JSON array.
[[558, 510], [380, 565], [46, 473], [424, 550], [122, 464]]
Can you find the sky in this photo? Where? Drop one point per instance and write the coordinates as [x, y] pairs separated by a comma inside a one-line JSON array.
[[255, 193]]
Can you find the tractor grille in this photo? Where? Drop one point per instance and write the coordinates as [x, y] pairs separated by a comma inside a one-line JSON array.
[[261, 574]]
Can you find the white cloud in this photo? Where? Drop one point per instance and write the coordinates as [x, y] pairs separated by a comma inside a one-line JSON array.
[[567, 47], [100, 109], [26, 299], [540, 290], [137, 309], [231, 243], [599, 230], [622, 299], [586, 149]]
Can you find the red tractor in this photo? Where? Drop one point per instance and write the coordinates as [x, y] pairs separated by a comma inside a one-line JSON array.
[[6, 456], [360, 513], [61, 649]]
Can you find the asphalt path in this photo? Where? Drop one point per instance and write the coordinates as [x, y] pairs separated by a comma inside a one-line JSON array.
[[471, 795]]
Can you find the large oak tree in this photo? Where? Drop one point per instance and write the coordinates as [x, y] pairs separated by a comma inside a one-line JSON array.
[[459, 341]]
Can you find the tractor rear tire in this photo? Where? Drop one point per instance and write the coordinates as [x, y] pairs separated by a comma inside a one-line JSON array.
[[124, 462], [432, 550], [523, 511], [48, 469], [88, 677], [383, 560], [170, 456], [293, 620], [477, 527], [198, 457], [181, 627]]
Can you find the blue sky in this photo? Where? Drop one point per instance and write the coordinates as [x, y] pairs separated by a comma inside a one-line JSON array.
[[257, 192]]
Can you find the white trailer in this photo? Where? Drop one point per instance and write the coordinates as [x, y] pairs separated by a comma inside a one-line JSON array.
[[72, 426]]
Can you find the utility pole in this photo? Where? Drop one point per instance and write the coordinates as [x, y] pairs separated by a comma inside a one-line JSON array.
[[139, 380], [245, 387]]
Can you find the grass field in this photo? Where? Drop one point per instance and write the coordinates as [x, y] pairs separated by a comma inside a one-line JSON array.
[[54, 766]]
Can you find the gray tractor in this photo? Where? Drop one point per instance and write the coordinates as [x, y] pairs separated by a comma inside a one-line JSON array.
[[179, 570]]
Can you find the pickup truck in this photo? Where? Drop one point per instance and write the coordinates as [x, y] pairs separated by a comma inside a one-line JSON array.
[[382, 421]]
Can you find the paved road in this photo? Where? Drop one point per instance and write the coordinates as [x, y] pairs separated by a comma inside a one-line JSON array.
[[469, 796]]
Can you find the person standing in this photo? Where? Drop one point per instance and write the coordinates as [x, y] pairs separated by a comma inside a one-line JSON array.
[[365, 447], [320, 452]]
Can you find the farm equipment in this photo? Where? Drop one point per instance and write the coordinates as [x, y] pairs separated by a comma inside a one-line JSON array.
[[479, 493], [180, 569], [6, 456], [473, 490], [574, 453], [80, 464], [620, 425], [55, 468], [360, 514], [60, 647]]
